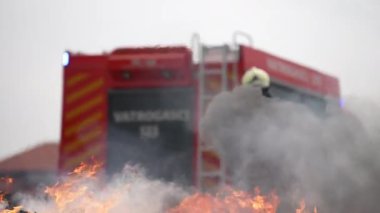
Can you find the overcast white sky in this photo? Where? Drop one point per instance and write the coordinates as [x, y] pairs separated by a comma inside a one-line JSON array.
[[339, 37]]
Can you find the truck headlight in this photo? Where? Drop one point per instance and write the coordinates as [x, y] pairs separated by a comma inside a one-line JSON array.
[[65, 58]]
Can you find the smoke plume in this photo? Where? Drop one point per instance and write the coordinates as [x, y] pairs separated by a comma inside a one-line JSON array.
[[330, 159]]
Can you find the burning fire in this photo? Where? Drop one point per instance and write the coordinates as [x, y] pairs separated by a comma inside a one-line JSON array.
[[302, 208], [79, 192], [76, 190], [14, 210], [76, 194], [7, 182], [234, 201]]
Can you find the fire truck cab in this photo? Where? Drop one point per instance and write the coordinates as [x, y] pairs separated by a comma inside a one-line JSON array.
[[143, 105]]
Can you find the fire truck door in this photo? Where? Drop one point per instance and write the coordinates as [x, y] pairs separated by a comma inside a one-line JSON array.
[[152, 128]]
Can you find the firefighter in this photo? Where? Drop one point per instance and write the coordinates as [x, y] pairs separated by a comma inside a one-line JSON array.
[[258, 78]]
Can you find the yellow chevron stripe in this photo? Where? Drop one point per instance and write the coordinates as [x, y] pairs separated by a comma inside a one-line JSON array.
[[85, 90], [83, 139], [75, 79], [84, 107], [75, 161], [86, 122]]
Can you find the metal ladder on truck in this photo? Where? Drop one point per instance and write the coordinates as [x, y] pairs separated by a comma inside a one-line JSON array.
[[222, 55]]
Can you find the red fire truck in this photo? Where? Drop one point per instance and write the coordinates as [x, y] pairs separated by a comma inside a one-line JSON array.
[[143, 105]]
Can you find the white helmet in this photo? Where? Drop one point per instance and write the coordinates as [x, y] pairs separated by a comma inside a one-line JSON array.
[[256, 77]]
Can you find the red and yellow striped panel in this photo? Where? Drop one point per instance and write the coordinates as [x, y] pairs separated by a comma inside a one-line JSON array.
[[84, 120], [210, 161]]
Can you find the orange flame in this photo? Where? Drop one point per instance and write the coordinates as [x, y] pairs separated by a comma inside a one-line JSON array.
[[76, 194], [86, 170], [233, 201], [302, 208], [4, 203], [16, 209]]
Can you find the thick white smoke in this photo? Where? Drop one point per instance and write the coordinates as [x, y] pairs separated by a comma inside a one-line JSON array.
[[331, 160], [367, 111]]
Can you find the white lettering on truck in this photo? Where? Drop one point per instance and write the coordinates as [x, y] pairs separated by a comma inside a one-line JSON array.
[[149, 131], [281, 67], [151, 116]]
